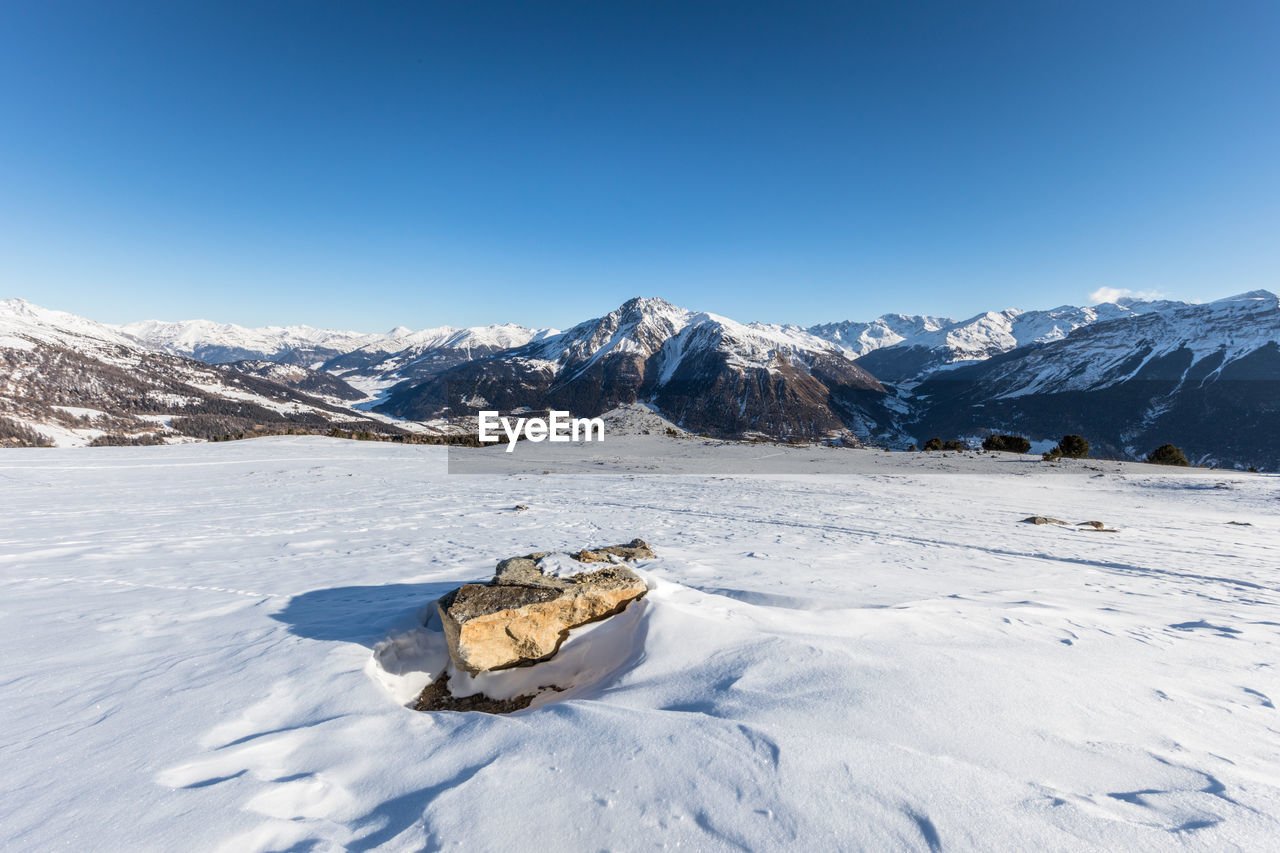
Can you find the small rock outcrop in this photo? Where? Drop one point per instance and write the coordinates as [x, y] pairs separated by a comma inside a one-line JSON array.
[[1086, 525], [1100, 526], [526, 611]]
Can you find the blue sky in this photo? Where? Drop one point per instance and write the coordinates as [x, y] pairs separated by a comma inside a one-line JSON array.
[[363, 165]]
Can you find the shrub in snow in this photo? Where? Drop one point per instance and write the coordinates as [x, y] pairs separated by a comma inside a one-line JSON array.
[[1007, 443], [1168, 454], [953, 444], [143, 440], [1070, 447], [16, 434], [933, 444]]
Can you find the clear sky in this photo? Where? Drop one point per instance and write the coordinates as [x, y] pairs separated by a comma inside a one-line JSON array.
[[368, 164]]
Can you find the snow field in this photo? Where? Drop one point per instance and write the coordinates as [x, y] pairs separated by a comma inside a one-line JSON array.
[[211, 646]]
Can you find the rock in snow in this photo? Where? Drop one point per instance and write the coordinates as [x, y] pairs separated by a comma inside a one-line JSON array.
[[525, 613]]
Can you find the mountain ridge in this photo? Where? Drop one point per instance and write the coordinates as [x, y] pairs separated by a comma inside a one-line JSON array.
[[68, 380], [1126, 372]]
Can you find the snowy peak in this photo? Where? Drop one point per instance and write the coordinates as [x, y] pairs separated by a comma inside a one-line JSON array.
[[647, 318], [376, 359], [703, 371], [417, 355], [642, 328], [993, 333], [740, 346], [1202, 376], [213, 342], [857, 339], [638, 327], [68, 380], [640, 308], [21, 320], [1259, 298], [494, 337]]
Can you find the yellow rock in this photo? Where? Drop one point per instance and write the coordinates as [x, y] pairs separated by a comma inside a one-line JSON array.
[[523, 615]]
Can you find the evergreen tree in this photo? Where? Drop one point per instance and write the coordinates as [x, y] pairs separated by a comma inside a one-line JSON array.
[[1168, 454]]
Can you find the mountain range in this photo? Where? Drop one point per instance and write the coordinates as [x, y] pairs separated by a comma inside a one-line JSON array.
[[1129, 375], [68, 380]]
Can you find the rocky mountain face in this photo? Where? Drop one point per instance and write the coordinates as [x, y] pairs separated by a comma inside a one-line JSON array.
[[705, 372], [67, 380], [1203, 377]]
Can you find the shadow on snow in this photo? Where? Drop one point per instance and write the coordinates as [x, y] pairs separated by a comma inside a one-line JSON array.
[[359, 614]]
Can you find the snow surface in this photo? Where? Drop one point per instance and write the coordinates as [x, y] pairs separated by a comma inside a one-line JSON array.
[[209, 647], [564, 566]]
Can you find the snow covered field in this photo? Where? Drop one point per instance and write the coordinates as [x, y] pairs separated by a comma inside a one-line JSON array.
[[883, 658]]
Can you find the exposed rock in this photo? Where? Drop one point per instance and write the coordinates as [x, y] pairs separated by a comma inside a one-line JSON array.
[[520, 507], [1097, 525], [525, 613], [1241, 523], [1043, 519], [636, 549]]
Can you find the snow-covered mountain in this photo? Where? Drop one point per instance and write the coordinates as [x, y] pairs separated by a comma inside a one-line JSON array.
[[703, 371], [218, 343], [1205, 377], [422, 354], [23, 326], [68, 380], [991, 333], [299, 378], [369, 362], [856, 339], [1126, 374]]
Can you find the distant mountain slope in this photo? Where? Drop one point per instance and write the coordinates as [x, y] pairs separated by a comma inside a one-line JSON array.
[[72, 381], [857, 339], [990, 334], [422, 354], [299, 378], [370, 362], [706, 373], [1204, 377], [220, 343]]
